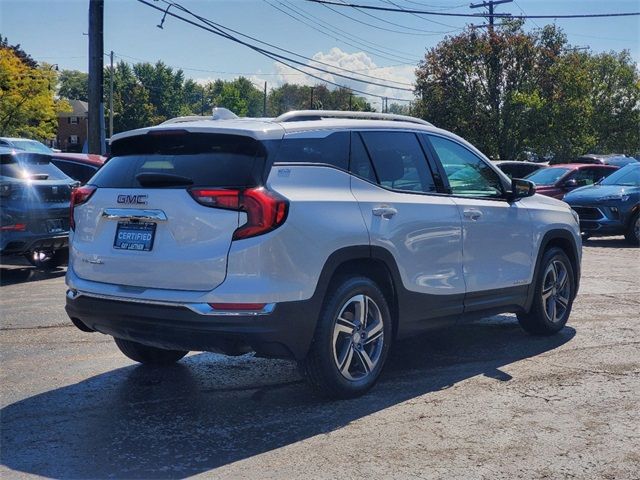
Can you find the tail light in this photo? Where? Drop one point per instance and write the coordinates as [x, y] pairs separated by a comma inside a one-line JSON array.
[[79, 196], [265, 210]]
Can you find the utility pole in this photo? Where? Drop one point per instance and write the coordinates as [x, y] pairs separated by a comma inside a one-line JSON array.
[[311, 102], [111, 97], [490, 4], [264, 101], [494, 72], [350, 101], [96, 52]]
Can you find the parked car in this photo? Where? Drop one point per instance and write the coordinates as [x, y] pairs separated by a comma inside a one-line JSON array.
[[515, 169], [34, 211], [620, 161], [317, 236], [558, 180], [26, 145], [611, 207], [615, 159], [79, 166]]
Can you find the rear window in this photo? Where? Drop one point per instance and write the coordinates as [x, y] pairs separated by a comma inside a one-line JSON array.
[[30, 167], [218, 160]]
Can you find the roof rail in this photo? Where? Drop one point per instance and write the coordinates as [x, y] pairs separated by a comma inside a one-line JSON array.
[[217, 114], [302, 115]]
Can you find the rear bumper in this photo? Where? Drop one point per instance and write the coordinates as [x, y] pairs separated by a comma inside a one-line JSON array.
[[286, 332]]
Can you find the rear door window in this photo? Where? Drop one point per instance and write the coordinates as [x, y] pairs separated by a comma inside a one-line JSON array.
[[204, 159], [316, 147], [399, 161]]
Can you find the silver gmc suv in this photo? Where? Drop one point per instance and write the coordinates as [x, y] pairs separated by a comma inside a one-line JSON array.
[[318, 236]]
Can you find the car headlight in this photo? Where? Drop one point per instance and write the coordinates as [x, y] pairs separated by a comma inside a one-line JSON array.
[[575, 216], [620, 196]]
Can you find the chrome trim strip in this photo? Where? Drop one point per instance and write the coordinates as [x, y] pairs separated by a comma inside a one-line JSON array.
[[134, 214], [199, 308]]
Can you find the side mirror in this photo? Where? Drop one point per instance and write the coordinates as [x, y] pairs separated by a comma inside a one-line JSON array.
[[572, 183], [521, 188]]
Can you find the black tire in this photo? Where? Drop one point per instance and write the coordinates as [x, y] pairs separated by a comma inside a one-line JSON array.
[[633, 233], [51, 260], [321, 366], [538, 320], [148, 355]]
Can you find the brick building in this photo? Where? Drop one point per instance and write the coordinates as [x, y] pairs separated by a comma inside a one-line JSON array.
[[73, 127]]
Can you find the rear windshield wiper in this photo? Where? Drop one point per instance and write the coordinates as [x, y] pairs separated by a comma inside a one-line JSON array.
[[162, 180]]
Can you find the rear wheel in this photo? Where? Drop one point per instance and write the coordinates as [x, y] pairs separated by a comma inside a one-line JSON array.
[[148, 355], [351, 341], [633, 231], [553, 297]]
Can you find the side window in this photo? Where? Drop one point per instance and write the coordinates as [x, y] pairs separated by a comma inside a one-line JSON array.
[[360, 163], [589, 176], [399, 161], [332, 149], [468, 174]]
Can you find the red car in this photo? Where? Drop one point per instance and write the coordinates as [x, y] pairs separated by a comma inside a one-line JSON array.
[[79, 166], [558, 180]]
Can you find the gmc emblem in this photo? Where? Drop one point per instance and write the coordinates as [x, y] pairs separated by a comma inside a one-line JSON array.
[[133, 199]]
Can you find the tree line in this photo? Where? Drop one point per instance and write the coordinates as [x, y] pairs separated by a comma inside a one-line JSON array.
[[511, 92], [147, 94]]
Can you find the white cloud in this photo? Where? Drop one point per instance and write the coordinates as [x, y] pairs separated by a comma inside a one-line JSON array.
[[358, 62]]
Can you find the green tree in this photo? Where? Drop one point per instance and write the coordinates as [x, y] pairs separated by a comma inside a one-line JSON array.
[[74, 85], [510, 91], [27, 105]]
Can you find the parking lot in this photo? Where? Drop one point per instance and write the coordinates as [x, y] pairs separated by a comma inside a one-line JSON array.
[[483, 400]]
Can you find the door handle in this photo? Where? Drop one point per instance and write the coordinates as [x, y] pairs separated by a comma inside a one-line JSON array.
[[472, 214], [384, 212]]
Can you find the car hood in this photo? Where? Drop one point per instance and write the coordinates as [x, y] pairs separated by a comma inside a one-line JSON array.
[[595, 192]]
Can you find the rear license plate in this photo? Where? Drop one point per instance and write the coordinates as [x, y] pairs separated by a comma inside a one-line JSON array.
[[135, 236], [55, 226]]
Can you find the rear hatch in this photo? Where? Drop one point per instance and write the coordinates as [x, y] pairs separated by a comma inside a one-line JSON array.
[[142, 227], [34, 193]]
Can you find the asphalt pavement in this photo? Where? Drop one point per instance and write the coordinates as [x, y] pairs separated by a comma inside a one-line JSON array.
[[483, 400]]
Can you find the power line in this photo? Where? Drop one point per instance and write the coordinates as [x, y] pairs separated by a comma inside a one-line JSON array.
[[384, 20], [418, 16], [470, 15], [275, 57], [223, 31], [317, 27], [378, 26]]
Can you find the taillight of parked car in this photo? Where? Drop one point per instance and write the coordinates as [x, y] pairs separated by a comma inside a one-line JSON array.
[[79, 196], [265, 210]]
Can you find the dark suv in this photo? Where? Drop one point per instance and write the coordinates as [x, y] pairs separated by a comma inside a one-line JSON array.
[[34, 213]]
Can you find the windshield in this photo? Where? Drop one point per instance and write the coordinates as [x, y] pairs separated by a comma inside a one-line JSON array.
[[547, 176], [627, 176], [31, 146]]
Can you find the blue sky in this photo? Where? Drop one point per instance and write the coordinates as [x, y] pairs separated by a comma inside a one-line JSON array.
[[52, 31]]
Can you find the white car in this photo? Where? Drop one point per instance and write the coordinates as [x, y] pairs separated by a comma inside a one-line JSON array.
[[317, 236]]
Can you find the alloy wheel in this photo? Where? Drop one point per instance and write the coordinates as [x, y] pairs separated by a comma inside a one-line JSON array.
[[358, 337], [556, 291]]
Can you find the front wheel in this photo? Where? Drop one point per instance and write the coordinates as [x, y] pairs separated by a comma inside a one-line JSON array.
[[553, 296], [351, 342], [148, 355], [633, 231]]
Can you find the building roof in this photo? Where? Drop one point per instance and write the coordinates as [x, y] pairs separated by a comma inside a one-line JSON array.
[[78, 109]]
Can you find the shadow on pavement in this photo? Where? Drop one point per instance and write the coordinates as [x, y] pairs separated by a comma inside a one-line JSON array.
[[607, 242], [12, 276], [136, 422]]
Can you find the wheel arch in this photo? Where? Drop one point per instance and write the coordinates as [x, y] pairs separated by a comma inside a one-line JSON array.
[[564, 240]]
